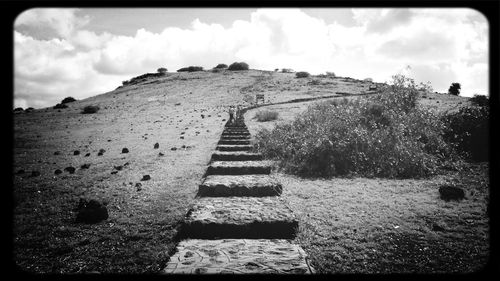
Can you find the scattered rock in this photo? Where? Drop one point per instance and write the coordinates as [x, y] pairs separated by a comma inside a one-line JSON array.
[[138, 186], [125, 150], [145, 178], [119, 168], [182, 138], [85, 166], [91, 211], [20, 172], [57, 153], [173, 148], [87, 155], [448, 192], [101, 152], [161, 154], [436, 227], [76, 152], [114, 172], [35, 173], [157, 145], [70, 170], [183, 146], [126, 164], [57, 172]]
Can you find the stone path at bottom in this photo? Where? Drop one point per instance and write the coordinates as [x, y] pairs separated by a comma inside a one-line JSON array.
[[238, 223]]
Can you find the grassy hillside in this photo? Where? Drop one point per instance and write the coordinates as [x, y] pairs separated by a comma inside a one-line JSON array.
[[185, 111]]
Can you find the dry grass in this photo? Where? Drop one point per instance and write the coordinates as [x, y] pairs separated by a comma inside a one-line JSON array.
[[266, 115]]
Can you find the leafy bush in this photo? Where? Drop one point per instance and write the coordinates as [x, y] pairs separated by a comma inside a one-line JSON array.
[[162, 70], [454, 89], [266, 115], [221, 66], [17, 109], [60, 105], [68, 100], [384, 136], [302, 74], [238, 66], [480, 100], [90, 109], [190, 69], [468, 131]]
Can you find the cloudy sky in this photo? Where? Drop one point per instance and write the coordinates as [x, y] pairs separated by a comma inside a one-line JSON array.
[[85, 52]]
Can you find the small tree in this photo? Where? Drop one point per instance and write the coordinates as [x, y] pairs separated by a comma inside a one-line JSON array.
[[454, 89], [302, 74], [68, 100], [220, 66], [162, 70], [238, 66]]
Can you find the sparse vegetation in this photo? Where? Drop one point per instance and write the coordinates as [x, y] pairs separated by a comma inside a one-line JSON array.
[[266, 115], [190, 69], [18, 109], [68, 100], [383, 136], [302, 74], [238, 66], [454, 89], [90, 109]]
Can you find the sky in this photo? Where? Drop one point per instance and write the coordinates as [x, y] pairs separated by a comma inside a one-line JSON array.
[[61, 52]]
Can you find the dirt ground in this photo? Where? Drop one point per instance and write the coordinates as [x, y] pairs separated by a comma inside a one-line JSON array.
[[139, 234]]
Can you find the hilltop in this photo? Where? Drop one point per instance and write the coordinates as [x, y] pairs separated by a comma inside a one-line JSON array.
[[184, 113]]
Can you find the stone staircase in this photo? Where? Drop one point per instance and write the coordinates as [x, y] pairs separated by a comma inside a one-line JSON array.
[[238, 223]]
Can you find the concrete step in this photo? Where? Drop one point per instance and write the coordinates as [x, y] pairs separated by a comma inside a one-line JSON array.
[[238, 256], [235, 156], [237, 147], [235, 133], [233, 142], [229, 137], [241, 185], [238, 168], [239, 217]]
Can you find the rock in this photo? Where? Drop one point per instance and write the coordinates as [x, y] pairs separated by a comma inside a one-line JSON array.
[[70, 170], [35, 173], [126, 164], [173, 148], [91, 211], [101, 152], [448, 192], [183, 146], [138, 186], [87, 155], [119, 168], [161, 154], [125, 150], [114, 172], [145, 178], [436, 227], [181, 138], [157, 145], [57, 172], [76, 152], [85, 166], [57, 153]]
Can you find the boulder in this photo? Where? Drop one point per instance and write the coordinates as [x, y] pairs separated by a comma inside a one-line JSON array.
[[70, 170], [125, 150], [448, 192], [157, 145], [91, 211]]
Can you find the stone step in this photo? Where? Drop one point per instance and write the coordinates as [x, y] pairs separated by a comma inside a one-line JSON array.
[[241, 185], [233, 142], [236, 125], [238, 168], [237, 147], [238, 256], [235, 133], [235, 156], [239, 217], [230, 137]]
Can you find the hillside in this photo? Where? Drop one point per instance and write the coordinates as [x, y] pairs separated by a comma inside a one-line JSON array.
[[184, 113]]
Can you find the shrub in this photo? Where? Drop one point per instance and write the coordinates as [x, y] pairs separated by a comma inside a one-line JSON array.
[[368, 80], [302, 74], [17, 109], [266, 115], [330, 74], [238, 66], [287, 70], [68, 100], [162, 70], [382, 136], [480, 100], [468, 131], [60, 105], [190, 69], [29, 109], [454, 89], [90, 109], [221, 66]]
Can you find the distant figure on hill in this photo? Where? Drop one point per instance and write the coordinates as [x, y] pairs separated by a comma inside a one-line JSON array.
[[238, 113], [231, 115]]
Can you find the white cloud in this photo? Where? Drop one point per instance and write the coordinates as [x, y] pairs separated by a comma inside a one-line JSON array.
[[442, 46]]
